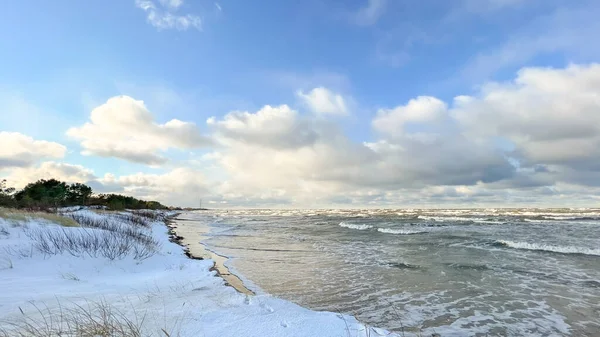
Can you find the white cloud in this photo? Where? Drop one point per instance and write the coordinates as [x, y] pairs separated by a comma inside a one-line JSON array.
[[20, 177], [264, 157], [533, 140], [18, 150], [551, 115], [180, 186], [164, 15], [323, 101], [426, 148], [370, 14], [278, 127], [124, 128], [422, 110]]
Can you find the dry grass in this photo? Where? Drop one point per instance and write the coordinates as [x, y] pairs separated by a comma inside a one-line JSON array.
[[96, 319], [22, 215]]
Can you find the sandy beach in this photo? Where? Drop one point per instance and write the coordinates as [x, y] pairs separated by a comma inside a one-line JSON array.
[[190, 235], [69, 289]]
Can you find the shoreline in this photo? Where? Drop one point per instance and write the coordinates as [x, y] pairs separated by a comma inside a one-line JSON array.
[[60, 292], [191, 241]]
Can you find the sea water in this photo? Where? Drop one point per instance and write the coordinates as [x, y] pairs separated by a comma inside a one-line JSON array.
[[494, 272]]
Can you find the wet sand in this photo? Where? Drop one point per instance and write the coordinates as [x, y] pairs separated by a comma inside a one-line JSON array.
[[190, 234]]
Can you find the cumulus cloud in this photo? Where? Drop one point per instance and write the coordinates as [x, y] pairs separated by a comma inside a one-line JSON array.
[[534, 140], [20, 177], [265, 156], [506, 143], [124, 128], [18, 150], [323, 101], [550, 115], [278, 127], [163, 15], [423, 110]]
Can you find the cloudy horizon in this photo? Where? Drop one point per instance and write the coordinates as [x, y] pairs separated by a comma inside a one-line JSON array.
[[371, 103]]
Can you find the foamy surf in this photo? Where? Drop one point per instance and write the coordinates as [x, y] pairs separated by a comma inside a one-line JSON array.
[[352, 226], [399, 231], [550, 248]]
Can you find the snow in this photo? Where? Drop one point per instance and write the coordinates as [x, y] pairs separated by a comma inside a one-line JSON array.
[[168, 291]]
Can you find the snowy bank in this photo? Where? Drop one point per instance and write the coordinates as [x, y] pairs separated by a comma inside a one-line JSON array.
[[150, 287]]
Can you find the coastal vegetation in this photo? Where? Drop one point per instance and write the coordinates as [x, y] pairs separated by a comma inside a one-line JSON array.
[[46, 194]]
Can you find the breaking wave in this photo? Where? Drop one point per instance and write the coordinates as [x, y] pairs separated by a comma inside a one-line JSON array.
[[352, 226], [550, 248], [399, 231]]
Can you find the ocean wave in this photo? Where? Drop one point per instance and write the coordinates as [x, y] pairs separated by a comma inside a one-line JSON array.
[[399, 231], [572, 218], [535, 220], [550, 248], [479, 220], [352, 226]]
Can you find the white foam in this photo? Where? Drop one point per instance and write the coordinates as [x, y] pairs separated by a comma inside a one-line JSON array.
[[352, 226], [551, 248], [535, 220], [446, 218], [399, 231]]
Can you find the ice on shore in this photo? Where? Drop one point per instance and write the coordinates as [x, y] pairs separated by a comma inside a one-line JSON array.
[[166, 291]]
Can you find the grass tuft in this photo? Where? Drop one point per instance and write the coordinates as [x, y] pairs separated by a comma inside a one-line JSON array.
[[94, 319], [23, 215]]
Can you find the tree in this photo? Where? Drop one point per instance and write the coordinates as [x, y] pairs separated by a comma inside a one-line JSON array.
[[78, 193], [54, 193], [6, 195], [43, 193]]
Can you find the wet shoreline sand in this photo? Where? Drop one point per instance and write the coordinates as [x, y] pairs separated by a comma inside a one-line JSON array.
[[190, 234]]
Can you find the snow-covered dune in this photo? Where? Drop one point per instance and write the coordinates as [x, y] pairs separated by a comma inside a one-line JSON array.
[[163, 292]]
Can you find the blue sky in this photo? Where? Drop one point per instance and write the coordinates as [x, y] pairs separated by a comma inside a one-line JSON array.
[[193, 60]]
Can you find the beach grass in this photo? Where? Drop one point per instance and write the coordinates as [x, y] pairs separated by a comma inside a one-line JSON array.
[[18, 215], [96, 319]]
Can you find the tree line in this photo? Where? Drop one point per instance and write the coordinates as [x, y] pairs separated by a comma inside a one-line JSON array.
[[53, 193]]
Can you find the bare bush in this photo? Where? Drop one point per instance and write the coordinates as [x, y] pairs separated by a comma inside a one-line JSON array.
[[123, 218], [150, 214], [133, 219], [78, 242], [137, 232]]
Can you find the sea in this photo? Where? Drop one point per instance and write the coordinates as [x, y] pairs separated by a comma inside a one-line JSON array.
[[454, 272]]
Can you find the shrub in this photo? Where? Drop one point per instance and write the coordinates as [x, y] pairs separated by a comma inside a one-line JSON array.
[[111, 245], [113, 236]]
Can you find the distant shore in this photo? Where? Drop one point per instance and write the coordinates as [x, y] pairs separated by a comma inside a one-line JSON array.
[[190, 234]]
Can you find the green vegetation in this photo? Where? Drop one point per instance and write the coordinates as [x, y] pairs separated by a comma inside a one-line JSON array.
[[45, 194]]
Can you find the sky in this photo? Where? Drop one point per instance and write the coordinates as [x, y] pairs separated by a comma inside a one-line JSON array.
[[306, 104]]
